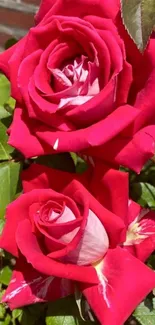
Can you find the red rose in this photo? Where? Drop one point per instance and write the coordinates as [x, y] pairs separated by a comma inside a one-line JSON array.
[[78, 88], [60, 233]]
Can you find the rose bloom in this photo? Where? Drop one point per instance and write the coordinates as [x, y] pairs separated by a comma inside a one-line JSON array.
[[81, 85], [62, 235]]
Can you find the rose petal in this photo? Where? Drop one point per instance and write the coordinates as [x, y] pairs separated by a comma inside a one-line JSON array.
[[145, 101], [29, 247], [112, 223], [27, 287], [78, 8], [111, 189], [4, 58], [41, 177], [130, 151], [107, 298], [19, 210], [85, 114], [95, 135], [27, 68], [140, 239], [93, 245], [19, 140]]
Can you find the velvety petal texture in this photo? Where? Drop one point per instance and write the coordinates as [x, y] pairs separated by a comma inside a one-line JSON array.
[[78, 88], [114, 272], [27, 286], [68, 228]]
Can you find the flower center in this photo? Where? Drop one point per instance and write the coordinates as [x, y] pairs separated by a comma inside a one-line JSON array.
[[78, 81], [140, 229]]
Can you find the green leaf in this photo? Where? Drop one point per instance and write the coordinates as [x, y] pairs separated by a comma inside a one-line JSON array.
[[31, 314], [16, 314], [144, 194], [64, 312], [2, 311], [7, 103], [80, 164], [145, 313], [3, 112], [2, 222], [10, 105], [74, 157], [9, 175], [139, 19], [60, 320], [5, 275], [62, 161], [151, 262], [5, 149], [4, 89], [6, 321], [2, 292]]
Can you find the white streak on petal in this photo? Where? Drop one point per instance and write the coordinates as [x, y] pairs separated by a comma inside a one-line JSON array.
[[103, 281], [21, 287], [73, 101], [42, 284], [55, 146], [138, 229], [44, 287]]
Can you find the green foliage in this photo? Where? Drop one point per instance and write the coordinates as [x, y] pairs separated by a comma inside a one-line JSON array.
[[145, 312], [2, 311], [62, 161], [144, 193], [31, 315], [2, 222], [7, 103], [142, 186], [9, 178], [139, 19], [5, 149], [9, 175], [80, 164], [4, 90], [5, 275], [6, 320], [64, 312]]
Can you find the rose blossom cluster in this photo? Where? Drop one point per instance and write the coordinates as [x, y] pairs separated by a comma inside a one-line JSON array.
[[81, 85]]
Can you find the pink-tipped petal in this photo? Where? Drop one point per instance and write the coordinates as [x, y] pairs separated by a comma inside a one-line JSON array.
[[93, 245], [29, 247]]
